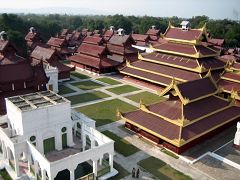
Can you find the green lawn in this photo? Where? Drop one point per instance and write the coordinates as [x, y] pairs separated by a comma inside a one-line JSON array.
[[121, 145], [146, 97], [105, 112], [4, 174], [80, 76], [64, 90], [122, 173], [123, 89], [109, 81], [87, 85], [161, 170], [81, 98]]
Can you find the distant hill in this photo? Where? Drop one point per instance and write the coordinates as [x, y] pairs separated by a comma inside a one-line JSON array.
[[56, 10]]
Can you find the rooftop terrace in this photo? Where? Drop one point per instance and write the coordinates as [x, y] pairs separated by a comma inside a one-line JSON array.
[[36, 100]]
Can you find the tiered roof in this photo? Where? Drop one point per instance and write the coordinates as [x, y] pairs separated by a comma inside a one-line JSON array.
[[230, 81], [56, 42], [93, 40], [8, 53], [121, 44], [93, 55], [107, 35], [193, 112], [153, 33], [141, 39], [178, 55], [50, 56]]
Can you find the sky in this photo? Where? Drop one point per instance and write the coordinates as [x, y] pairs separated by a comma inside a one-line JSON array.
[[215, 9]]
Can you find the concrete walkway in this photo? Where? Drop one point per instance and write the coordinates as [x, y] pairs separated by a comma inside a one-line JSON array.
[[147, 150]]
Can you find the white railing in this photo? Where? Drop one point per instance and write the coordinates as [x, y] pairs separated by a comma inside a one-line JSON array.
[[42, 160]]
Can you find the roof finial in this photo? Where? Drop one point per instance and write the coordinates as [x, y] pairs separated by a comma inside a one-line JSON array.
[[118, 113]]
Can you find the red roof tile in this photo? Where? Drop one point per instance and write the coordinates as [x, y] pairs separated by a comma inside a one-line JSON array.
[[11, 58], [42, 53], [119, 40], [140, 37], [154, 123], [154, 78], [174, 47], [217, 42], [30, 36], [154, 32], [197, 89], [162, 58], [205, 51], [211, 63], [231, 76], [108, 33], [91, 49], [178, 33], [56, 42], [166, 71], [229, 85], [93, 40], [171, 109], [236, 66], [205, 124]]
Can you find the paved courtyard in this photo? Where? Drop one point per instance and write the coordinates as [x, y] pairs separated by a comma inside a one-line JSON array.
[[217, 169], [229, 152]]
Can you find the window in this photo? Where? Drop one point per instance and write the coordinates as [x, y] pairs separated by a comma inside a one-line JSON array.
[[32, 138], [64, 129]]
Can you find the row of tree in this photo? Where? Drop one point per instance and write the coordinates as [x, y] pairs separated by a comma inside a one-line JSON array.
[[48, 25]]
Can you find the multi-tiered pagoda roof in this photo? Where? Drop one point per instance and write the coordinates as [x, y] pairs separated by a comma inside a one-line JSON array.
[[180, 54], [193, 112]]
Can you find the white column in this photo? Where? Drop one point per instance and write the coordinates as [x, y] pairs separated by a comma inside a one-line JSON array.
[[92, 142], [75, 129], [95, 169], [39, 143], [4, 152], [72, 176], [100, 161], [17, 167], [43, 172], [58, 138], [69, 136], [111, 162], [84, 142]]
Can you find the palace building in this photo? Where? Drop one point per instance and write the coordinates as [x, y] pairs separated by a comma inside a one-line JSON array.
[[93, 56], [120, 46], [33, 39], [153, 33], [51, 58], [230, 82], [40, 137], [61, 46], [9, 54], [180, 54], [107, 34], [192, 113]]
